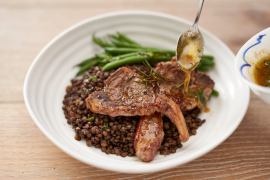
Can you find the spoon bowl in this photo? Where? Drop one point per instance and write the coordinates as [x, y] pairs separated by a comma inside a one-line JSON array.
[[190, 45], [190, 49]]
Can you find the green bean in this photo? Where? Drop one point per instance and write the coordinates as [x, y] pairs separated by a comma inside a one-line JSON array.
[[119, 41], [96, 57], [125, 38], [125, 61], [134, 58], [208, 57], [101, 42], [117, 50], [86, 61], [115, 58], [87, 66], [103, 55], [206, 63], [114, 50], [120, 44]]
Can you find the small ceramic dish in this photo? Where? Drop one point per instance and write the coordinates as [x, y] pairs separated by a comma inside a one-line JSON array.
[[53, 68], [252, 51]]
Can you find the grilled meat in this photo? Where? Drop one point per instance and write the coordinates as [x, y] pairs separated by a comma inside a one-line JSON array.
[[149, 136], [125, 94], [172, 86]]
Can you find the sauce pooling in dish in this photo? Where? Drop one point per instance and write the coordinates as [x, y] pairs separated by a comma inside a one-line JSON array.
[[261, 72]]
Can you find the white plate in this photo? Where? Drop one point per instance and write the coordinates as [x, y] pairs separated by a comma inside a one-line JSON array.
[[52, 70]]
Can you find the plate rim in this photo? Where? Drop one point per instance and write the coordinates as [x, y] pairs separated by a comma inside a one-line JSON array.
[[109, 167]]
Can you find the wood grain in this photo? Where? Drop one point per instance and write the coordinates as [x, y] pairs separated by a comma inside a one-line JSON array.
[[26, 26]]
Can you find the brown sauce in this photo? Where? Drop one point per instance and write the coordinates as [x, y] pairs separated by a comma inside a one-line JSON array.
[[261, 72], [186, 81]]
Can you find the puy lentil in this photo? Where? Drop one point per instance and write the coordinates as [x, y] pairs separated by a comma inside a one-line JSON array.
[[113, 135]]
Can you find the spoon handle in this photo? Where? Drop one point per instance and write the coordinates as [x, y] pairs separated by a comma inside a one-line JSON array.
[[198, 14]]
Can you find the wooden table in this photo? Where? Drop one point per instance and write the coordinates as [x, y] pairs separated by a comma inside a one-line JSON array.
[[26, 26]]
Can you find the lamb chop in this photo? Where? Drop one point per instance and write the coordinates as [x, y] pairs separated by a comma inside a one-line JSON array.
[[124, 94], [149, 134], [172, 86]]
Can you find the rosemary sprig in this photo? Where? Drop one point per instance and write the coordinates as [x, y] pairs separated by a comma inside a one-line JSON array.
[[150, 77]]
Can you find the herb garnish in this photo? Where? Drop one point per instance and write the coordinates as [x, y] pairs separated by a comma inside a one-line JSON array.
[[151, 77], [91, 118], [105, 126], [215, 93], [93, 78]]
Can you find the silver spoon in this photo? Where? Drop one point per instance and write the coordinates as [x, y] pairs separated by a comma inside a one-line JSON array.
[[190, 45]]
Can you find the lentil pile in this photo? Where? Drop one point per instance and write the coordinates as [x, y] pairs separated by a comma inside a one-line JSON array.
[[113, 135]]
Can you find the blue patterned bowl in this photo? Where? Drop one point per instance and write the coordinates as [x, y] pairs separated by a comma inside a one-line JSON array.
[[252, 51]]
